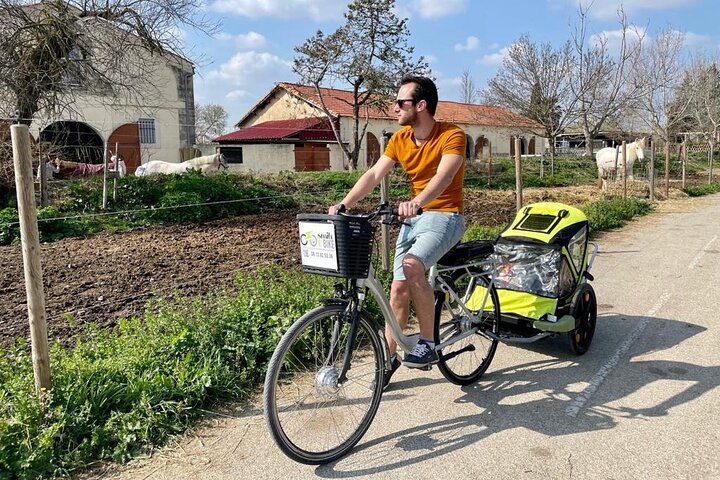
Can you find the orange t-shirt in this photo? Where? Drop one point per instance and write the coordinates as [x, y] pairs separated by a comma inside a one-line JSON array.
[[421, 163]]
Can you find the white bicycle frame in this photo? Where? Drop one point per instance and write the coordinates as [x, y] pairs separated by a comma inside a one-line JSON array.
[[407, 342]]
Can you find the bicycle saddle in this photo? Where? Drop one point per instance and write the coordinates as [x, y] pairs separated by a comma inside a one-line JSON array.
[[463, 252]]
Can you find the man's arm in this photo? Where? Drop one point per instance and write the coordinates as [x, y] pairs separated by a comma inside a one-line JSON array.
[[365, 183], [447, 168]]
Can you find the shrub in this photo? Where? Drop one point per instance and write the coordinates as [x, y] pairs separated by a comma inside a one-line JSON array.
[[9, 226], [705, 189], [117, 392], [614, 213]]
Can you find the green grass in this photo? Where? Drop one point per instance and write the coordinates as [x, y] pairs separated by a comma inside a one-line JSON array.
[[118, 392]]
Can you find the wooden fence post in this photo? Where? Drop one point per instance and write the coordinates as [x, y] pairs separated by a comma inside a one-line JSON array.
[[42, 179], [22, 157], [667, 170], [651, 174], [105, 176], [518, 175], [624, 149], [684, 158], [385, 229]]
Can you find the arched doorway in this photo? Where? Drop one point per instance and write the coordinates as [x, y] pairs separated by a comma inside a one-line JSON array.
[[480, 143], [469, 147], [126, 138], [373, 149], [523, 146], [75, 141]]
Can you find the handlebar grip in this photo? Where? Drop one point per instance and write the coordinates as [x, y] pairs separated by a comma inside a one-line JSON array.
[[395, 211], [341, 208]]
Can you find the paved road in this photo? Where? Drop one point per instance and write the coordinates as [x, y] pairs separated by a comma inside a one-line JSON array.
[[641, 404]]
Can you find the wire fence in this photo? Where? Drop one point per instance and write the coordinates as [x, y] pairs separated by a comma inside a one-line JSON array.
[[500, 173]]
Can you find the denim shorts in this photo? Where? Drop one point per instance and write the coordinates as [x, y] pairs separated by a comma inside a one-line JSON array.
[[427, 237]]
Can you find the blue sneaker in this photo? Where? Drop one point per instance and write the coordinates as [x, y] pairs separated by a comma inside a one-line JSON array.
[[420, 356], [389, 373]]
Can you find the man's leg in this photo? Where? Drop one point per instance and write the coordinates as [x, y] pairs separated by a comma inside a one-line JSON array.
[[400, 304], [421, 295]]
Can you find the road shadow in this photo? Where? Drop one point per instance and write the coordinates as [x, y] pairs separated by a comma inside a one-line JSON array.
[[561, 394]]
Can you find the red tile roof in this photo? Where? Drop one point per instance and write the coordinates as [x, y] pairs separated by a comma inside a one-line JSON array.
[[303, 129], [339, 102]]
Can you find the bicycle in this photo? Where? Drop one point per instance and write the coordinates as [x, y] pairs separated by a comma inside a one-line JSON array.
[[325, 379]]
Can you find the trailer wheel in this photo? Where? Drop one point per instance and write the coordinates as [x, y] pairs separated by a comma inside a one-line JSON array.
[[584, 308]]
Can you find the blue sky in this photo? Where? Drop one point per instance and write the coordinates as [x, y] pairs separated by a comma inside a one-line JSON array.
[[253, 48]]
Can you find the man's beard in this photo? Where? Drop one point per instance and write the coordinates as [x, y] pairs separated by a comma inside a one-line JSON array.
[[408, 119]]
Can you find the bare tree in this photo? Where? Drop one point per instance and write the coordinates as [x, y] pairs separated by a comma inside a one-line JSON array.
[[700, 90], [53, 50], [469, 93], [534, 80], [210, 122], [368, 53], [603, 80], [660, 108]]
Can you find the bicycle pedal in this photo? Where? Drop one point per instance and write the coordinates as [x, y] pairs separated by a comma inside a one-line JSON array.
[[426, 368]]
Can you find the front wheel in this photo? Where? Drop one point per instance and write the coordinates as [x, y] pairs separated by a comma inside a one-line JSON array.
[[314, 414], [584, 308], [466, 360]]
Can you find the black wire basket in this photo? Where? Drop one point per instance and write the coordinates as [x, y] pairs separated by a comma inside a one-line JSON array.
[[336, 245]]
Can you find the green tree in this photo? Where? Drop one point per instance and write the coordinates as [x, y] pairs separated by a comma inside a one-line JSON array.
[[368, 55]]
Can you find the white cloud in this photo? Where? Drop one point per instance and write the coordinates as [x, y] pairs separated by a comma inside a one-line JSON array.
[[434, 8], [607, 9], [245, 68], [695, 41], [471, 43], [318, 10], [244, 41], [430, 59], [494, 59], [237, 94]]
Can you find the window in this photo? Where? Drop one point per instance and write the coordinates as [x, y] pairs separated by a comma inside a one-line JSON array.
[[147, 130], [232, 154]]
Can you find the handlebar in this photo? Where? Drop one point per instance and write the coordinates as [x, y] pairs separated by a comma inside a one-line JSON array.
[[381, 210]]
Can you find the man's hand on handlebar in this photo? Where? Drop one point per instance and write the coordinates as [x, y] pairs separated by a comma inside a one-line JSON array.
[[409, 209], [335, 209]]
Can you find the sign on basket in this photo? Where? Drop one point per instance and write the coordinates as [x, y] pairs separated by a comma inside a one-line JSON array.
[[317, 245]]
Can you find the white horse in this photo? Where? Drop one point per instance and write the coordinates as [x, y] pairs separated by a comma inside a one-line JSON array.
[[605, 158], [208, 165]]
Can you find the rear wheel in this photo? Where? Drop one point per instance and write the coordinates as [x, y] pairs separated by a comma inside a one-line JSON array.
[[464, 361], [584, 308], [313, 414]]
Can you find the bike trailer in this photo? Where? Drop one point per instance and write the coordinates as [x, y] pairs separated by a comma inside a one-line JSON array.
[[541, 272]]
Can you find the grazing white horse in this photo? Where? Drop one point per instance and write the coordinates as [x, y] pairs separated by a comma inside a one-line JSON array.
[[605, 158], [208, 164]]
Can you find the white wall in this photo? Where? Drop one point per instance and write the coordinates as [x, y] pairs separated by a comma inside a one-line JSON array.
[[160, 102]]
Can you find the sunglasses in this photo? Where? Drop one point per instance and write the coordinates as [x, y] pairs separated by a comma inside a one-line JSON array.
[[400, 101]]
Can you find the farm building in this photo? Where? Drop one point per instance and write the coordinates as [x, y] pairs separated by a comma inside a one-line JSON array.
[[287, 131], [151, 117]]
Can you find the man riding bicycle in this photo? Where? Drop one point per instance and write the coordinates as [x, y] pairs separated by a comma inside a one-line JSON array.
[[432, 154]]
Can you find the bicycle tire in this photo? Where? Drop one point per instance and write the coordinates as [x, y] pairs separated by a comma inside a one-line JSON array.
[[465, 361], [584, 309], [304, 418]]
